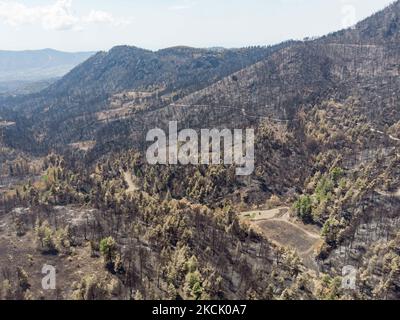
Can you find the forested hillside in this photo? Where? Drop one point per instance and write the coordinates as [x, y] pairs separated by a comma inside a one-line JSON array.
[[78, 193]]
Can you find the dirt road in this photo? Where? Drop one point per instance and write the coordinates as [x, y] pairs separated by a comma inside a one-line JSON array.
[[132, 187]]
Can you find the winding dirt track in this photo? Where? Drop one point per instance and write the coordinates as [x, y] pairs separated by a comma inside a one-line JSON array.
[[132, 187], [389, 135]]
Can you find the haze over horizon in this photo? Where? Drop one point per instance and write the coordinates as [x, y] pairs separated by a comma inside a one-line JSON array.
[[70, 25]]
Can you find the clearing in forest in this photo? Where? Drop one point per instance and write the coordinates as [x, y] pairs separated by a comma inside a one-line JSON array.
[[280, 228]]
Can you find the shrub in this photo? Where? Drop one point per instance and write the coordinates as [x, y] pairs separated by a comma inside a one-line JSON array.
[[108, 248], [303, 208], [336, 173]]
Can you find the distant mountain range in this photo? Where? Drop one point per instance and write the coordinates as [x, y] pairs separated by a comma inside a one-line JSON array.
[[165, 75], [20, 70]]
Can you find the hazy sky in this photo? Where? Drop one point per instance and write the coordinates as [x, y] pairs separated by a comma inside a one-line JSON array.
[[82, 25]]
